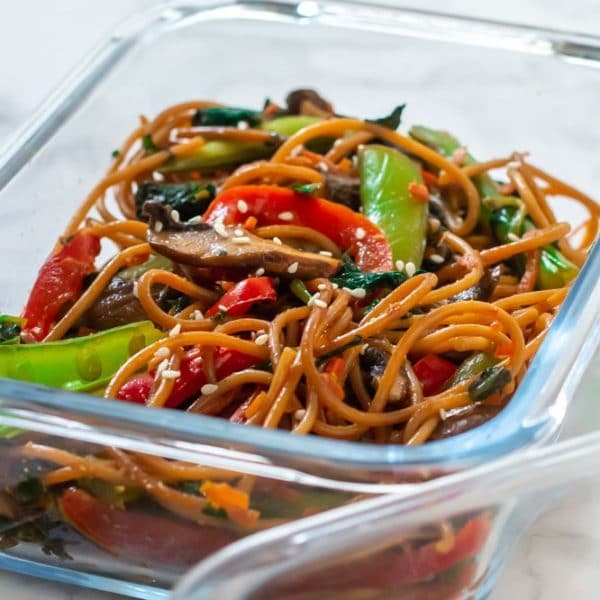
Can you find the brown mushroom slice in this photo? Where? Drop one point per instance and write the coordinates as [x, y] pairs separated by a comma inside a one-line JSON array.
[[201, 245]]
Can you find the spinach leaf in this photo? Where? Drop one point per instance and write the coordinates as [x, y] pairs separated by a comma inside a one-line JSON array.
[[352, 277], [392, 121], [148, 144], [189, 199], [10, 329], [306, 188], [226, 115]]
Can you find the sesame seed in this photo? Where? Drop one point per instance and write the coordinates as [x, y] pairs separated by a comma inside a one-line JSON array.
[[220, 229], [170, 374], [286, 216], [399, 265], [243, 125], [175, 216], [277, 241], [410, 269], [325, 253], [262, 339], [443, 414], [260, 271], [162, 352], [158, 226], [513, 237], [293, 268], [208, 388], [175, 331], [162, 366], [197, 315], [195, 220], [322, 286], [238, 232], [222, 308], [134, 290], [299, 414], [323, 166], [320, 303], [241, 240], [437, 259], [242, 206], [358, 293], [360, 233], [335, 286]]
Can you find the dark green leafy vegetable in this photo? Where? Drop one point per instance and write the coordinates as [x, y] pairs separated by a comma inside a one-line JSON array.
[[10, 329], [116, 152], [148, 144], [392, 121], [189, 199], [352, 277], [226, 115], [491, 380], [214, 511], [306, 188]]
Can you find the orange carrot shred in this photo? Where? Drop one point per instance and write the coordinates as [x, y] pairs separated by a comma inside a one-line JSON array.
[[222, 495], [504, 351], [250, 223], [430, 179], [335, 367], [418, 191]]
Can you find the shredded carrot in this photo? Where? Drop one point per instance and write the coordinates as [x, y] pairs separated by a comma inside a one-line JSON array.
[[255, 405], [418, 191], [430, 179], [335, 367], [243, 517], [222, 495], [250, 223], [504, 351], [334, 385]]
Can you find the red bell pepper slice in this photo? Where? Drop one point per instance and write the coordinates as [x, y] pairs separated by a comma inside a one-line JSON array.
[[191, 380], [433, 372], [143, 538], [59, 282], [239, 299], [392, 568], [350, 230]]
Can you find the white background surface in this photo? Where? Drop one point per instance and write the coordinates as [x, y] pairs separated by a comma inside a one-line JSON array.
[[40, 41]]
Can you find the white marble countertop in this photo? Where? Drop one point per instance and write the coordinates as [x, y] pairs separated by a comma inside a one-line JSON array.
[[41, 41]]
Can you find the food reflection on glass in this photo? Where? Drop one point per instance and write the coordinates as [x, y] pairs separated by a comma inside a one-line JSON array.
[[284, 268]]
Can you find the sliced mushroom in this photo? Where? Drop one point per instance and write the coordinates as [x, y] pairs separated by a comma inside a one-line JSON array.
[[483, 289], [308, 102], [464, 419], [201, 245], [343, 189], [375, 361]]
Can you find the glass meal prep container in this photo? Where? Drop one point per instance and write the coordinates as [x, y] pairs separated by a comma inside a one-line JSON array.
[[499, 87], [356, 551]]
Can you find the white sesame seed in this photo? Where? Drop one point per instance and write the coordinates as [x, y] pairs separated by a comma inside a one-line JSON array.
[[286, 216], [293, 268], [238, 232], [194, 220], [360, 233], [320, 303], [325, 253], [175, 331], [243, 125], [175, 216], [335, 286], [323, 166], [158, 226], [410, 269], [513, 237], [443, 414], [222, 307], [434, 224], [208, 388], [437, 259], [134, 290], [322, 286], [262, 339], [277, 241], [260, 271], [299, 414], [197, 315], [170, 374], [358, 293], [312, 299], [220, 229], [399, 265], [241, 240], [162, 352], [161, 367], [242, 206]]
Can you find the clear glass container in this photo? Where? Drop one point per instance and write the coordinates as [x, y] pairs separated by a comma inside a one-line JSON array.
[[369, 549], [498, 87]]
